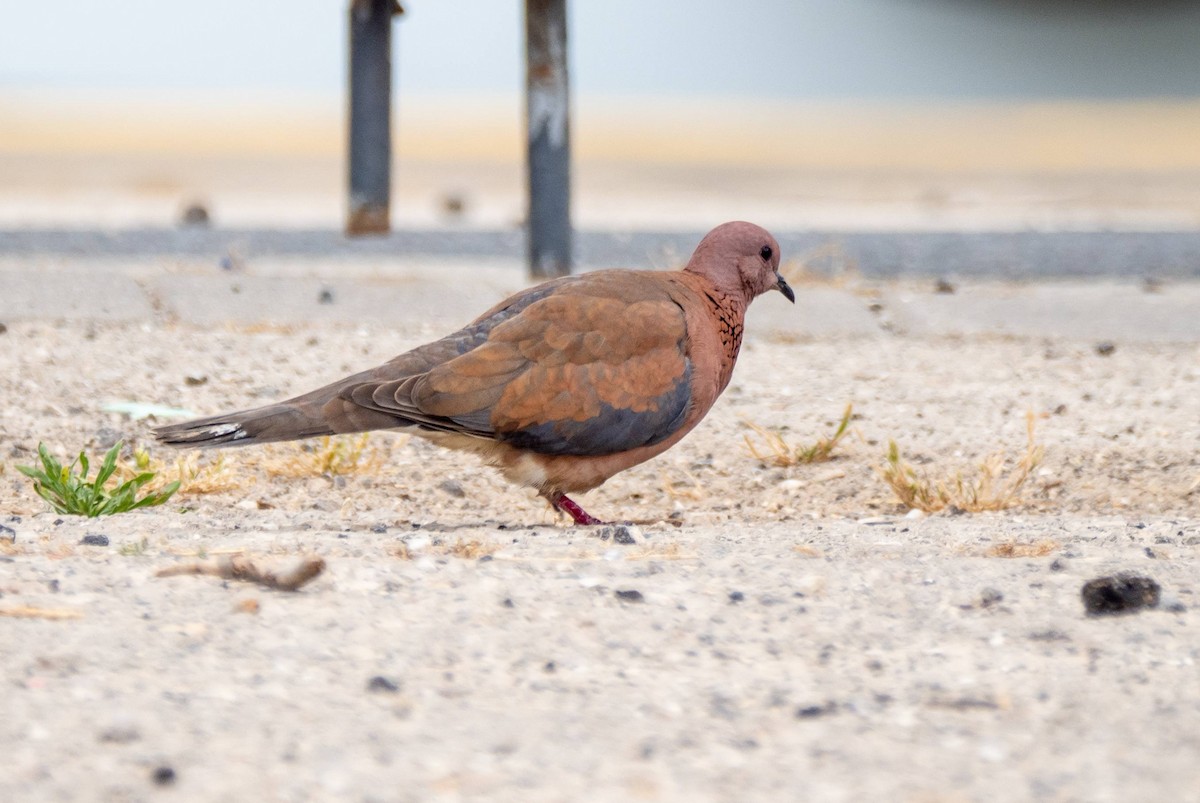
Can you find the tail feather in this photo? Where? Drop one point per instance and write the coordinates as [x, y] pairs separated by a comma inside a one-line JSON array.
[[276, 422]]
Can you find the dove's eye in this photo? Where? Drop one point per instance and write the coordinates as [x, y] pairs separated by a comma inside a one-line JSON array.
[[766, 252]]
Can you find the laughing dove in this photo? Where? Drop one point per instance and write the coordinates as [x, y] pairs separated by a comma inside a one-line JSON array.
[[560, 386]]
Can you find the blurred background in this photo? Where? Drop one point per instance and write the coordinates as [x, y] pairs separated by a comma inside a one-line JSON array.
[[832, 115]]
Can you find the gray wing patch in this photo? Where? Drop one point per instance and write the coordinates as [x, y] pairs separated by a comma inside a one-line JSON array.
[[613, 430]]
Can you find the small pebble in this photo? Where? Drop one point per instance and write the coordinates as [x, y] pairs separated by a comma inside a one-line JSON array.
[[195, 214], [989, 597], [944, 286], [736, 596], [452, 487], [120, 733], [454, 204], [8, 534], [1105, 348], [94, 539], [325, 296], [194, 381], [379, 528], [814, 711], [621, 534], [3, 329], [1119, 594], [629, 595], [249, 605], [106, 438], [381, 684], [164, 775], [232, 263]]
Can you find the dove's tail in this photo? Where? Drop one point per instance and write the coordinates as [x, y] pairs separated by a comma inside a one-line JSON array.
[[275, 422]]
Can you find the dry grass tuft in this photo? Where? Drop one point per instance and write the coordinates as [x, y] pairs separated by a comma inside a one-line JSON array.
[[330, 455], [687, 487], [472, 549], [1015, 549], [783, 455], [201, 473], [196, 475], [991, 489]]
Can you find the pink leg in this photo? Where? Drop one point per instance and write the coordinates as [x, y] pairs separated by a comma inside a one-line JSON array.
[[580, 515]]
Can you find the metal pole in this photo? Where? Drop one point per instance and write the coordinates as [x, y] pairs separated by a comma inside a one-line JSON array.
[[547, 110], [370, 116]]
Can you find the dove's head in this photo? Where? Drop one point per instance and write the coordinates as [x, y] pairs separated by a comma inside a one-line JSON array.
[[740, 258]]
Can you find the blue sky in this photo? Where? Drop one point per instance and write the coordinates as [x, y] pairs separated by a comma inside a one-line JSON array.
[[794, 49]]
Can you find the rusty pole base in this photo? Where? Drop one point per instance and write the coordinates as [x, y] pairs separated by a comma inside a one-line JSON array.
[[368, 218]]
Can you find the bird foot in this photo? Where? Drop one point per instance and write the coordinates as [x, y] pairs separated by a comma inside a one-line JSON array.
[[573, 510]]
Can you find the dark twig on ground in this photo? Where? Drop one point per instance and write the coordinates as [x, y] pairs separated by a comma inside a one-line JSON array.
[[242, 568]]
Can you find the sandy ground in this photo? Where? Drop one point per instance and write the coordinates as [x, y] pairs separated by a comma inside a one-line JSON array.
[[777, 633], [796, 634]]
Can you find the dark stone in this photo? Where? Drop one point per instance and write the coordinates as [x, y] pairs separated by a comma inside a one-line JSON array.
[[944, 286], [1105, 347], [1049, 635], [120, 734], [8, 534], [3, 329], [1058, 565], [381, 684], [736, 596], [453, 488], [325, 296], [508, 603], [1119, 594], [94, 539], [629, 595], [989, 597], [967, 703], [379, 528], [618, 534], [454, 205], [195, 214], [106, 438], [164, 775], [814, 711]]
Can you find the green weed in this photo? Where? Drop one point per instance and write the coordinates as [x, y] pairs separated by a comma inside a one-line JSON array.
[[71, 492]]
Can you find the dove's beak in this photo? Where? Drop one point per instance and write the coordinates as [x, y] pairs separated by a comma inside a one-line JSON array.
[[783, 287]]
